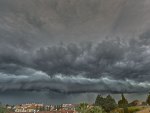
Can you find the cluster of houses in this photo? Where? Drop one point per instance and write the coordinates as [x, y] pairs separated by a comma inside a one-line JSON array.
[[28, 107], [63, 108], [41, 108]]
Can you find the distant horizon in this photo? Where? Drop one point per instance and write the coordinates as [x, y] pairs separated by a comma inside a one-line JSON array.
[[47, 98]]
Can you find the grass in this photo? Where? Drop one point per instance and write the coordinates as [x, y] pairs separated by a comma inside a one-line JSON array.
[[135, 108], [132, 109]]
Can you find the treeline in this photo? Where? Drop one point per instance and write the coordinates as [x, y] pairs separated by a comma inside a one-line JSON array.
[[109, 105], [101, 105]]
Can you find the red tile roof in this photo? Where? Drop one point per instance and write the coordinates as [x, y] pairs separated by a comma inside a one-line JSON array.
[[61, 111]]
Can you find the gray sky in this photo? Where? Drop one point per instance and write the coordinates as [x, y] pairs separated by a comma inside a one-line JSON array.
[[74, 47]]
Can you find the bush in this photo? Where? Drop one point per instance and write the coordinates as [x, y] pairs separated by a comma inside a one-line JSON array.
[[96, 109], [3, 110]]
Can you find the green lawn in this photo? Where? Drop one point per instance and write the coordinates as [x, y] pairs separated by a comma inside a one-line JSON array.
[[135, 108]]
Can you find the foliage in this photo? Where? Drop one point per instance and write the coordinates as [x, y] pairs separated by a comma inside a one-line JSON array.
[[85, 108], [96, 109], [41, 108], [107, 103], [99, 100], [82, 108], [148, 99], [3, 110], [123, 102]]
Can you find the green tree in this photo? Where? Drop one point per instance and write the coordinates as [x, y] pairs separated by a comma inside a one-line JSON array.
[[41, 108], [148, 99], [0, 104], [107, 103], [110, 103], [99, 100], [123, 103], [82, 108]]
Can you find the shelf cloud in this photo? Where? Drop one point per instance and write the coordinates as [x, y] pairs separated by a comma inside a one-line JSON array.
[[108, 66]]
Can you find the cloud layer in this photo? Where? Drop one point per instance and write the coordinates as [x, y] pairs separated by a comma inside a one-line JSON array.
[[39, 23], [68, 46], [108, 66]]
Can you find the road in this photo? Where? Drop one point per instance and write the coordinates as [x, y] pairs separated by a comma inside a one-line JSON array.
[[147, 110]]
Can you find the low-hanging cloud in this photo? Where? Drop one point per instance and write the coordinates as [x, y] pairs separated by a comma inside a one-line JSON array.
[[70, 84]]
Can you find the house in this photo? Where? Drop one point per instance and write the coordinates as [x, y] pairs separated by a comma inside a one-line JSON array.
[[136, 103], [69, 106], [29, 107], [67, 111]]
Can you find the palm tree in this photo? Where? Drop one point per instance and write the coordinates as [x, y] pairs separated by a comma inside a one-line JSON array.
[[96, 109]]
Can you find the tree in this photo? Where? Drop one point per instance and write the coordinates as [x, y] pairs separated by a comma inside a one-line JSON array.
[[107, 103], [0, 104], [148, 99], [123, 102], [99, 100], [59, 107], [41, 108], [110, 103], [82, 108]]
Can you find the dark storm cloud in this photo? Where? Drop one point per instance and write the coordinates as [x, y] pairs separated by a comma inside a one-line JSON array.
[[87, 58], [108, 66], [36, 53], [115, 58]]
